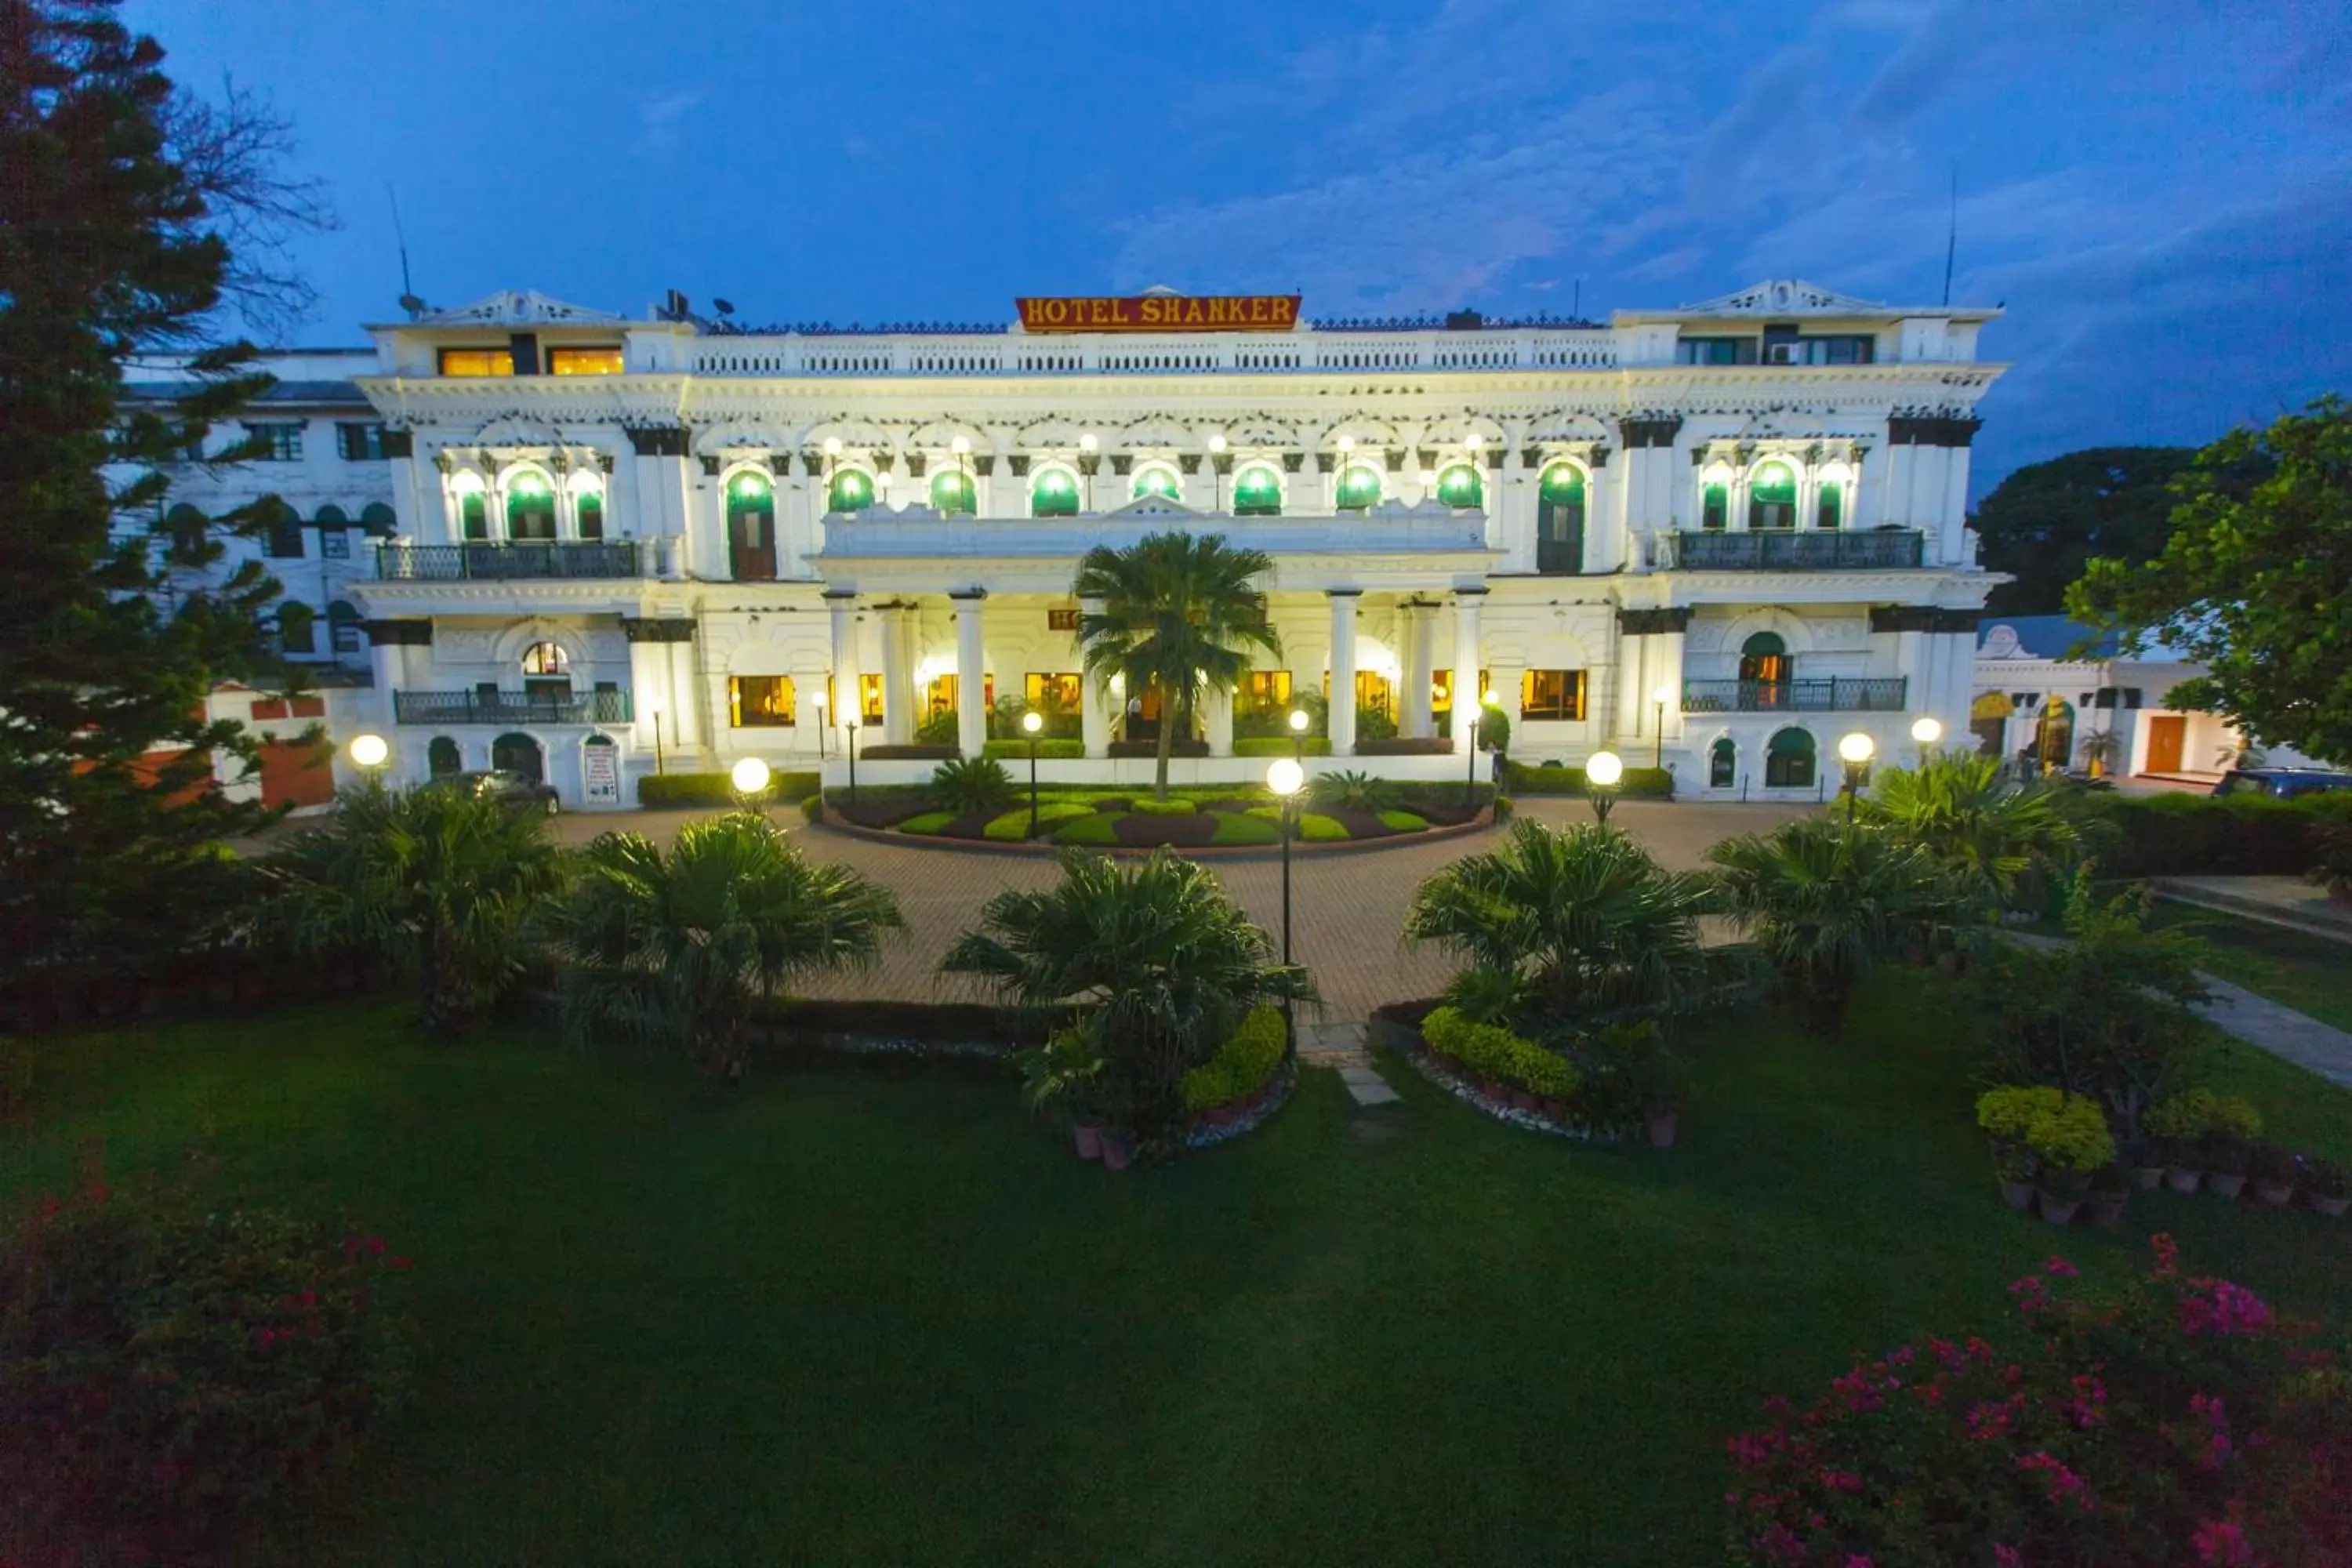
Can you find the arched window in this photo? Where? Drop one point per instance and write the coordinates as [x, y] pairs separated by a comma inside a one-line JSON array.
[[473, 515], [297, 630], [1788, 761], [1722, 764], [588, 511], [1459, 487], [1157, 479], [1257, 493], [380, 521], [547, 671], [343, 625], [284, 526], [1772, 497], [441, 757], [852, 491], [531, 507], [1560, 518], [1765, 661], [1828, 508], [953, 493], [515, 752], [1054, 493], [334, 536], [1360, 487], [1714, 505], [751, 527], [332, 516]]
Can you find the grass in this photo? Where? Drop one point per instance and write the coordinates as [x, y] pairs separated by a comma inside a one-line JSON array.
[[870, 1313], [2301, 971]]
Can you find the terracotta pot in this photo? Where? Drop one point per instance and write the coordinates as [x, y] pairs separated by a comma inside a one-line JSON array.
[[1493, 1089], [1662, 1130], [2276, 1194], [2223, 1184], [2105, 1210], [2059, 1208], [2182, 1179], [2332, 1208], [2017, 1195], [2148, 1178], [1117, 1148], [1521, 1100], [1089, 1141], [1557, 1110]]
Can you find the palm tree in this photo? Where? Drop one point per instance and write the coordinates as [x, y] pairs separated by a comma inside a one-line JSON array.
[[1824, 901], [1179, 614], [1583, 917], [1991, 831], [1158, 963], [681, 950], [436, 879]]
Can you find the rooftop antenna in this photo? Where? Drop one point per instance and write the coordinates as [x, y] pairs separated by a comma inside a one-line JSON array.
[[408, 300], [1952, 241]]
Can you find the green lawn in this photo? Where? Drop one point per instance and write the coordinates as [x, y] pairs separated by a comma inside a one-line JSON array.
[[857, 1313], [2310, 974]]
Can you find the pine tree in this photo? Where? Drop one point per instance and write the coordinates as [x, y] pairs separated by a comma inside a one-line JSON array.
[[119, 197]]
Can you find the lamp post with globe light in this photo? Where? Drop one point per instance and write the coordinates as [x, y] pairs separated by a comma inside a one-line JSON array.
[[1298, 722], [849, 729], [1285, 778], [1925, 730], [751, 778], [369, 752], [1855, 752], [1604, 771], [820, 702], [1031, 723]]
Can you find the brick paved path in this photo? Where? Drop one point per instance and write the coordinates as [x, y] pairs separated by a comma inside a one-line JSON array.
[[1347, 907]]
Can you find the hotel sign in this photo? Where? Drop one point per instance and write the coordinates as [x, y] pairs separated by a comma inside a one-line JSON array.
[[1161, 313]]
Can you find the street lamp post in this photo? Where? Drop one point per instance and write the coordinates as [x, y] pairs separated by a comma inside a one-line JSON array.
[[849, 726], [750, 777], [1298, 722], [1658, 756], [1470, 772], [1925, 730], [1032, 723], [820, 704], [369, 752], [1603, 772], [1285, 778], [1855, 752], [654, 712], [1216, 479]]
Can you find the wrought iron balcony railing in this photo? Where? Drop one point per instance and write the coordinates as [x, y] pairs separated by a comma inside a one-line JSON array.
[[1791, 550], [505, 563], [512, 708], [1837, 694], [1559, 557]]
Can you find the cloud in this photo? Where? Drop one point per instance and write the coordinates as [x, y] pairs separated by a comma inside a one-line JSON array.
[[659, 119]]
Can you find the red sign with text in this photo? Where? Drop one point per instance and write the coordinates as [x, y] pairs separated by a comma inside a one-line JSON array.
[[1161, 313]]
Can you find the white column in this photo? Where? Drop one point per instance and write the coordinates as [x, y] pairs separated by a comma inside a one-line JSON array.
[[897, 674], [1343, 672], [1468, 654], [384, 660], [1094, 718], [1667, 682], [972, 676], [1217, 718], [842, 608], [1416, 627]]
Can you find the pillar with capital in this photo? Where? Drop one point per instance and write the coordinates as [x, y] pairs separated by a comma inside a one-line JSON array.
[[1342, 718], [1094, 718], [847, 690], [897, 673], [972, 676], [1416, 628], [1468, 652]]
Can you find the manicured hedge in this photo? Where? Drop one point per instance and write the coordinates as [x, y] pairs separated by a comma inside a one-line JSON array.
[[1404, 822], [929, 822], [1233, 827], [2227, 836], [1242, 1065], [1281, 746], [917, 753], [1641, 783], [1014, 825], [1152, 748], [1175, 806], [1492, 1051], [1049, 751], [1403, 746], [716, 789], [1097, 827]]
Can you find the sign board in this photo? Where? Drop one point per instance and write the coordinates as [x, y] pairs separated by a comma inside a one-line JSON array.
[[1160, 313], [600, 771]]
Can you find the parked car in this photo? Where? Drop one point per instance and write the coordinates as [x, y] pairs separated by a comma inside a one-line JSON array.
[[2281, 784], [508, 787]]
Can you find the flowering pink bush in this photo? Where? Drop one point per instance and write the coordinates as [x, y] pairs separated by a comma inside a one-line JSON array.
[[2176, 1421]]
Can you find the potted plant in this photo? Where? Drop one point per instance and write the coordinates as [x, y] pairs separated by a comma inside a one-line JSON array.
[[1118, 1147], [1065, 1076], [2176, 1127], [2110, 1192], [2014, 1168], [2069, 1143], [2275, 1175], [2143, 1160], [2325, 1186], [2232, 1128], [2007, 1115]]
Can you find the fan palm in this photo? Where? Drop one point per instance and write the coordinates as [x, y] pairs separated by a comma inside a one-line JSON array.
[[1823, 901], [1160, 965], [437, 880], [1179, 614], [1989, 830], [1583, 916], [680, 950]]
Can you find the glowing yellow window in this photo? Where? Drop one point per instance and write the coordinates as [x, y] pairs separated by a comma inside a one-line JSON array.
[[601, 360], [477, 362]]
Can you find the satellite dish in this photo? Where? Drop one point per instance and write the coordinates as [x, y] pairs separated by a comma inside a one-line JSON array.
[[413, 305], [724, 307]]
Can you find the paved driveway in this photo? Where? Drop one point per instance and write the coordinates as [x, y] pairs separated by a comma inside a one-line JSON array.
[[1347, 906]]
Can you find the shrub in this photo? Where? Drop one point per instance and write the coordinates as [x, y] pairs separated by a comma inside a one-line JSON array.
[[1018, 751], [2194, 1114], [2331, 864], [970, 784], [2174, 835], [1646, 784], [2071, 1140], [1374, 724], [1242, 1065], [940, 730], [1177, 806], [1404, 822], [886, 752], [1493, 1051], [927, 823], [2169, 1422], [1280, 746], [1012, 827], [664, 790], [1094, 827], [1406, 746], [1316, 829], [1347, 788], [1494, 729], [1235, 827], [2006, 1114], [168, 1383]]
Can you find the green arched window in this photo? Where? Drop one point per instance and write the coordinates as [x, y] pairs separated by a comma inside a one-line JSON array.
[[589, 512], [1772, 497], [751, 527], [332, 516], [953, 493], [1360, 487], [1055, 494], [1722, 764], [1788, 761], [1764, 658], [441, 757], [1829, 511], [531, 507], [1714, 508], [297, 628], [1560, 518], [1257, 493], [1459, 487], [380, 521], [1158, 481], [852, 491], [344, 625], [473, 515]]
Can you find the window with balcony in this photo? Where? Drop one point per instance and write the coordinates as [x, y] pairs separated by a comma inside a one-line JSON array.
[[473, 515], [588, 512], [282, 442], [953, 493], [1829, 509], [1360, 487], [1772, 497], [1459, 487], [360, 443], [1157, 479], [1054, 493], [751, 527], [1765, 658], [603, 359], [1789, 760], [531, 507], [478, 362], [1716, 351], [1554, 694], [1257, 493], [760, 702], [1714, 508], [1560, 518], [852, 491], [546, 671]]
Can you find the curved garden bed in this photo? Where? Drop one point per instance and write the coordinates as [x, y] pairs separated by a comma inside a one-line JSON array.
[[1491, 1076], [1205, 820]]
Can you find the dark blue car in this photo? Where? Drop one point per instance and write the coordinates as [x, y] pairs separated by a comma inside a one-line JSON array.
[[2281, 784]]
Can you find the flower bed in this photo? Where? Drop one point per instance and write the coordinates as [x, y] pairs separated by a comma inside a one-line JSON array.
[[1245, 1082], [1489, 1068], [1219, 817]]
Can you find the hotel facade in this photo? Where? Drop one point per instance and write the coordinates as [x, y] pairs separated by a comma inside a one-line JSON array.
[[587, 546]]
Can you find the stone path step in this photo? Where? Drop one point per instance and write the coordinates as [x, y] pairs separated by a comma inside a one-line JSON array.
[[1341, 1046]]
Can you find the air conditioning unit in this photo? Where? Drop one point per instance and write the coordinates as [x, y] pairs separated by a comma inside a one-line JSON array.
[[1781, 353]]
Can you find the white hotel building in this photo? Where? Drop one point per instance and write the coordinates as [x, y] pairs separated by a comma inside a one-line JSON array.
[[588, 545]]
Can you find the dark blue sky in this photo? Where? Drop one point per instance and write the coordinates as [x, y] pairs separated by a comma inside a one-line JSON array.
[[2161, 192]]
